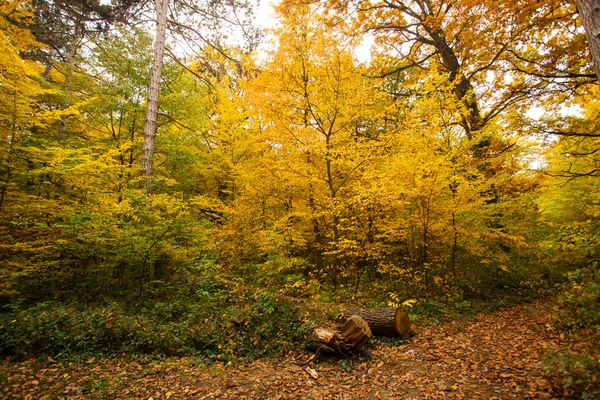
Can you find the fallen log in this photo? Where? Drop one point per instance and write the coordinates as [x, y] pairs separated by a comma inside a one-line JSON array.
[[351, 338], [390, 322]]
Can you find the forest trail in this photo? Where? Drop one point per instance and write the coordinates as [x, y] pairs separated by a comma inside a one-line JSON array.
[[494, 356]]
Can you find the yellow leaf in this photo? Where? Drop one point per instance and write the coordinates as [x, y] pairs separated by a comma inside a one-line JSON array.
[[409, 303]]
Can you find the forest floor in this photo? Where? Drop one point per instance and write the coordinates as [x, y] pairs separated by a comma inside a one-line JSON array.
[[493, 356]]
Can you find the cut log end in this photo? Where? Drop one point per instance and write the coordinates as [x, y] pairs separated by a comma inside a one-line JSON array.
[[402, 324], [354, 334]]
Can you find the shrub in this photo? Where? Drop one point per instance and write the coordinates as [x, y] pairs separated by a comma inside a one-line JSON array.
[[576, 310], [577, 304], [199, 324], [579, 372]]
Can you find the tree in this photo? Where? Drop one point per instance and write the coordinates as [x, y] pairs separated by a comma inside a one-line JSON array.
[[26, 184], [589, 11], [153, 91], [494, 65], [63, 24], [202, 25], [19, 87], [66, 28], [318, 115]]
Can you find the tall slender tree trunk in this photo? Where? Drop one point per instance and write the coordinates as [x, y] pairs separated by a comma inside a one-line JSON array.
[[153, 92], [317, 248], [334, 269], [589, 12]]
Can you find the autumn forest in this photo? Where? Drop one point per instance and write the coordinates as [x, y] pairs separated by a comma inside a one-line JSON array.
[[276, 175]]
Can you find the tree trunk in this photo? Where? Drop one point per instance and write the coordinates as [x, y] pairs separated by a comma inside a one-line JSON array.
[[390, 322], [153, 92], [351, 338], [589, 12]]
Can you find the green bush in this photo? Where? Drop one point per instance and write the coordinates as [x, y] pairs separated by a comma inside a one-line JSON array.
[[202, 324], [579, 372], [577, 311], [577, 304]]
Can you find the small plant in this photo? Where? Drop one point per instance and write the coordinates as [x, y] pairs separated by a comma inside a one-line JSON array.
[[580, 373], [577, 305]]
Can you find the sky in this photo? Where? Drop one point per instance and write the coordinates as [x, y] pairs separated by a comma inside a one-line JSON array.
[[265, 16], [265, 19]]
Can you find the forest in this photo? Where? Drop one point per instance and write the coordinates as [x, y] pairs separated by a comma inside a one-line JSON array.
[[176, 182]]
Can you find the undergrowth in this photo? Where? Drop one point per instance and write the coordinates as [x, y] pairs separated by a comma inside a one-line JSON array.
[[213, 318], [577, 311]]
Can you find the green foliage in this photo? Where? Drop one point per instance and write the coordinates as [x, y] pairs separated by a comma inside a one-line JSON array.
[[577, 303], [211, 318], [579, 373], [444, 310], [391, 342], [576, 311]]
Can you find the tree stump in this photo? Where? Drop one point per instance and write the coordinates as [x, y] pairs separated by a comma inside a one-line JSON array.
[[321, 341], [351, 338], [389, 322]]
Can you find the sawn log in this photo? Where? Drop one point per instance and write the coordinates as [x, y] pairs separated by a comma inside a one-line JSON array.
[[351, 338], [390, 322]]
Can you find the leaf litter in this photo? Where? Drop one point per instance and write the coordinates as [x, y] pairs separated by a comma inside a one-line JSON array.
[[495, 356]]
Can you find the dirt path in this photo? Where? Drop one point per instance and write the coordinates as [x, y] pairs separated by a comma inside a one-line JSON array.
[[495, 356]]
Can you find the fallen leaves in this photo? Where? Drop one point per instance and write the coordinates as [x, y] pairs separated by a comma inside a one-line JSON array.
[[495, 356]]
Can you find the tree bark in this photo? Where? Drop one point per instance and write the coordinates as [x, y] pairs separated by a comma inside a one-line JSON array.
[[389, 322], [589, 12], [463, 88], [153, 92]]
